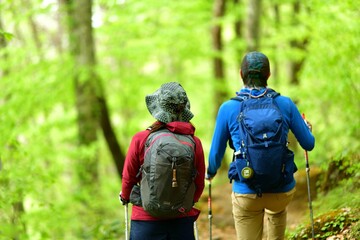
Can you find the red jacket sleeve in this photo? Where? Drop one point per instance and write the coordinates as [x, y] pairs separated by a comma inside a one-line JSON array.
[[134, 159], [200, 167]]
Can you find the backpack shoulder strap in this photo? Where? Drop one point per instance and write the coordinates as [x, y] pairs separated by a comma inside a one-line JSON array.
[[142, 147], [269, 93], [240, 98], [272, 93]]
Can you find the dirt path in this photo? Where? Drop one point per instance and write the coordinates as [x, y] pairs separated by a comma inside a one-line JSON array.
[[222, 222]]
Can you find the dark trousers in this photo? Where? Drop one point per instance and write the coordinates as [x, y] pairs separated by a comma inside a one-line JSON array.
[[173, 229]]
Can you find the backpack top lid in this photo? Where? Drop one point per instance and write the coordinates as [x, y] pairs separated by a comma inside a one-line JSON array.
[[260, 116], [258, 113]]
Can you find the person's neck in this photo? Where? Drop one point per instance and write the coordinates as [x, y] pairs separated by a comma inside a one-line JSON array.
[[254, 87]]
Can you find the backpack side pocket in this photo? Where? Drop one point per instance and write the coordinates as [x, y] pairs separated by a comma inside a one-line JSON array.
[[135, 196], [232, 173], [240, 164], [289, 167]]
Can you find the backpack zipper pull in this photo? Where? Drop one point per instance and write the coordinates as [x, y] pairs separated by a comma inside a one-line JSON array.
[[243, 147], [174, 181]]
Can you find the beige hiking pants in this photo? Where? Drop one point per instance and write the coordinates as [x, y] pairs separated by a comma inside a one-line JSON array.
[[248, 213]]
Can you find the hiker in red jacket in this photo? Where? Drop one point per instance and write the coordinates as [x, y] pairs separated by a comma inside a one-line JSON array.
[[170, 106]]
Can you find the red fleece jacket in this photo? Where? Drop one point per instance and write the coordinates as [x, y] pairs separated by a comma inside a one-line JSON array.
[[135, 158]]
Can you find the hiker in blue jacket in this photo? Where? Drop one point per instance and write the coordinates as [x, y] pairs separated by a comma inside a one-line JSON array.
[[249, 207]]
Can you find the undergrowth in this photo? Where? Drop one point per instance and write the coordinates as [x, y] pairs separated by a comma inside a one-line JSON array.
[[340, 216]]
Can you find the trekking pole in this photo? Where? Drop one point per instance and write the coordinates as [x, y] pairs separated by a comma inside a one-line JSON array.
[[126, 219], [126, 222], [196, 231], [210, 211], [308, 188]]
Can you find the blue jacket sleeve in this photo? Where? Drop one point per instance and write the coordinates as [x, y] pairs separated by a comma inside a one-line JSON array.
[[220, 138], [296, 123], [301, 131]]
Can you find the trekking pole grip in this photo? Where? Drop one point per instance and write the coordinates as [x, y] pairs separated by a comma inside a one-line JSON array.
[[306, 152]]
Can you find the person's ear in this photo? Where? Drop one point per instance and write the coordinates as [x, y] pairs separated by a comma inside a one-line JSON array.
[[241, 74]]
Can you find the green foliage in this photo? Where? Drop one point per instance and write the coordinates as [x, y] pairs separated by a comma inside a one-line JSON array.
[[339, 213], [355, 231], [5, 35], [329, 224], [331, 77], [140, 45]]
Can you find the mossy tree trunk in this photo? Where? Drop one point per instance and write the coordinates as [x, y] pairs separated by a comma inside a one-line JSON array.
[[91, 104]]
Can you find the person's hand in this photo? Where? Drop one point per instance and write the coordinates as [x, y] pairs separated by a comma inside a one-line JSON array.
[[123, 200], [209, 176], [308, 124]]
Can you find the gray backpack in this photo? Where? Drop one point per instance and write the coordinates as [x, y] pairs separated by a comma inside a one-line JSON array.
[[167, 186]]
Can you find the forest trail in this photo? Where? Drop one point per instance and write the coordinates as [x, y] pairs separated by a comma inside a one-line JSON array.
[[222, 222]]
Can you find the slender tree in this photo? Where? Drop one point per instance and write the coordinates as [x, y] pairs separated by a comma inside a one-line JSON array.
[[238, 29], [218, 62], [34, 28], [275, 64], [82, 49], [298, 44], [110, 136], [253, 25]]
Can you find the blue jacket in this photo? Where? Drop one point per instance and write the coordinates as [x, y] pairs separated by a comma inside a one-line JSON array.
[[227, 131]]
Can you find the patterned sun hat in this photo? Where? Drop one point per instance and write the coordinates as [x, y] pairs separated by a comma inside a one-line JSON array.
[[169, 103]]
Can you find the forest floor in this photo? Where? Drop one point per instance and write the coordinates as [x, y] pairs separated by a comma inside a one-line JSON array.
[[222, 221]]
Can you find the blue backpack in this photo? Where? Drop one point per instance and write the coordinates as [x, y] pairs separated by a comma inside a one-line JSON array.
[[263, 161]]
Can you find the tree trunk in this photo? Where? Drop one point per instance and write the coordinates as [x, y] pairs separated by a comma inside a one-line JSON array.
[[295, 65], [34, 28], [238, 33], [110, 136], [82, 48], [298, 45], [91, 102], [219, 75], [275, 65], [253, 25]]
